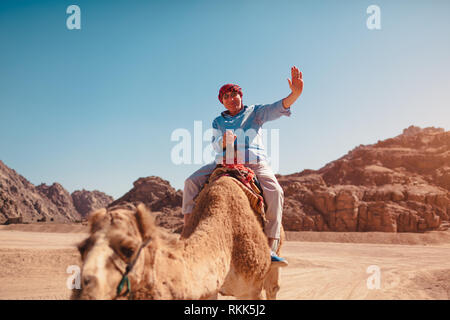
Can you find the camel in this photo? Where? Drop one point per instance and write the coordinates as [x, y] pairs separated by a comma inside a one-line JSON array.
[[222, 249]]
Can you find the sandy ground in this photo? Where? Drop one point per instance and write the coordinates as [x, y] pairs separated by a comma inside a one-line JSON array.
[[34, 261]]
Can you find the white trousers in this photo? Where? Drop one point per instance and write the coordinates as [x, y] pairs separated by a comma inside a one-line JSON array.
[[272, 191]]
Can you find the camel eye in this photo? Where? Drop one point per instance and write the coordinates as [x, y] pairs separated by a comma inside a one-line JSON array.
[[84, 246], [81, 248], [125, 247], [127, 252]]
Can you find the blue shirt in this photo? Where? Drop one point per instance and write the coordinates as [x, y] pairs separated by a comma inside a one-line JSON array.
[[247, 126]]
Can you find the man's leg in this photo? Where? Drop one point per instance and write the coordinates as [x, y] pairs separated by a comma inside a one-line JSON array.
[[192, 186], [274, 197]]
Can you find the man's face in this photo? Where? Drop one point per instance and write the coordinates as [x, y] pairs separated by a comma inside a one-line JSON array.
[[232, 101]]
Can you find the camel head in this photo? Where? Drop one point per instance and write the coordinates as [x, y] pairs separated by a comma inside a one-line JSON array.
[[116, 234]]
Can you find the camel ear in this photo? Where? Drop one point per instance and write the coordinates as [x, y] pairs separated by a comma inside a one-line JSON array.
[[146, 221], [97, 219]]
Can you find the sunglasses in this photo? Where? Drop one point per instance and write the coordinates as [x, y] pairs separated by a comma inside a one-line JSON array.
[[231, 94]]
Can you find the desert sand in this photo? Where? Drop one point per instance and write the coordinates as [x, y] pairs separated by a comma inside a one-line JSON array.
[[34, 261]]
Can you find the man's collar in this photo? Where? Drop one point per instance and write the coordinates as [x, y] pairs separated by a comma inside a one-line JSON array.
[[225, 114]]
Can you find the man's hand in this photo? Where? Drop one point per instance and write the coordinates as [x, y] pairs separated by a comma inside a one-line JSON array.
[[296, 85], [229, 137]]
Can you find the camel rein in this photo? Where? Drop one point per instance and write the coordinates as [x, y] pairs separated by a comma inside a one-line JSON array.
[[125, 279]]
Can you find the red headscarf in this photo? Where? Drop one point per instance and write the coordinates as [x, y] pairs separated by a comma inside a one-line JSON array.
[[229, 87]]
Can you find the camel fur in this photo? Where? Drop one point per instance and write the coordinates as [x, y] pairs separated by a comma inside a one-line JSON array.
[[222, 249]]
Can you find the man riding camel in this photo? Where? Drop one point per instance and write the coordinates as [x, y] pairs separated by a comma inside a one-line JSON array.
[[237, 119]]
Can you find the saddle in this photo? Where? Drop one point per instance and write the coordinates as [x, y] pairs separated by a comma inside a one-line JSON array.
[[246, 179]]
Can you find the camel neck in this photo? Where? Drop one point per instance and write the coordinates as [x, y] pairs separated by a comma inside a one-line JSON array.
[[194, 269]]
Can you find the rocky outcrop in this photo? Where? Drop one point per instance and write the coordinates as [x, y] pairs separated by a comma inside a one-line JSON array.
[[22, 202], [160, 197], [87, 201], [61, 199], [396, 185]]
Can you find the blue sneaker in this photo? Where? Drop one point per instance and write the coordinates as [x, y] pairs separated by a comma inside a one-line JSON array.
[[278, 261]]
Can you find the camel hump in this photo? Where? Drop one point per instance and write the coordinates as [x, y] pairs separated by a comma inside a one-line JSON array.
[[247, 180]]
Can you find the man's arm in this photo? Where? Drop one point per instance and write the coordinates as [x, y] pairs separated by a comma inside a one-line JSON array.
[[275, 110], [217, 139], [296, 85], [289, 100], [219, 142], [270, 112]]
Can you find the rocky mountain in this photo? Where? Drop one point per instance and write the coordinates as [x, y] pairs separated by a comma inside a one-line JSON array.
[[61, 199], [160, 197], [86, 201], [21, 201], [400, 184]]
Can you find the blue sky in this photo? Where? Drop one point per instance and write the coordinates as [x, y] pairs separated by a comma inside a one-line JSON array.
[[95, 108]]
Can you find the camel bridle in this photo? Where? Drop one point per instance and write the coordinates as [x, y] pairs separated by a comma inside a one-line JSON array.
[[125, 279]]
